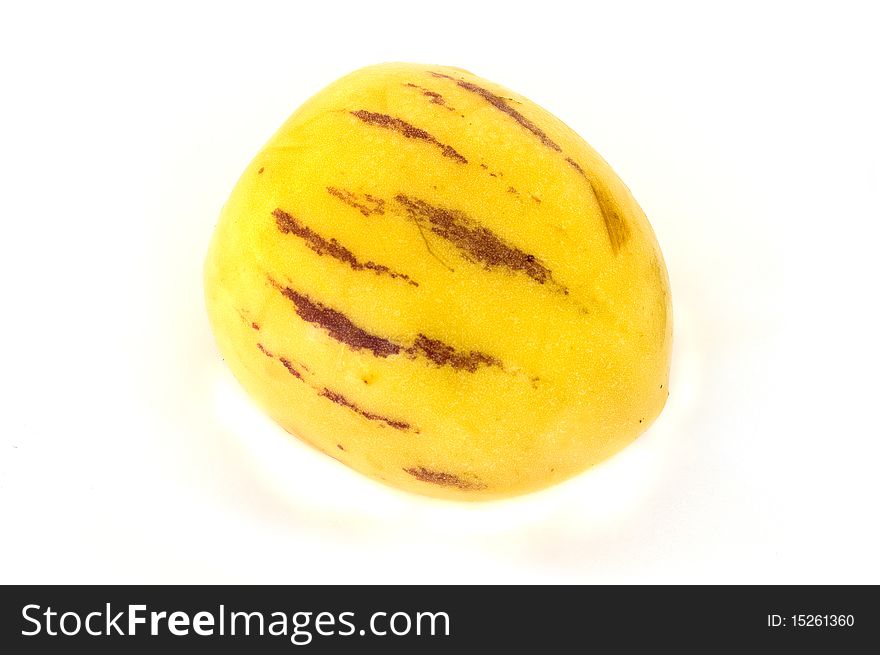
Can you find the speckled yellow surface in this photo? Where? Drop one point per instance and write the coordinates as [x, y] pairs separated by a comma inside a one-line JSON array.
[[437, 282]]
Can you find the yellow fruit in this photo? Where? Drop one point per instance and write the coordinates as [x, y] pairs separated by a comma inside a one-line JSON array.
[[438, 283]]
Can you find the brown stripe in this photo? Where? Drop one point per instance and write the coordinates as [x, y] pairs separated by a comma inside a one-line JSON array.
[[445, 355], [475, 242], [407, 130], [337, 325], [349, 198], [501, 104], [291, 368], [285, 362], [342, 329], [433, 96], [444, 479], [287, 224], [577, 167], [615, 226], [339, 399]]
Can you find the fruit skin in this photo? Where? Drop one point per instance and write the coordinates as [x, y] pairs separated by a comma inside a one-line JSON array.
[[438, 283]]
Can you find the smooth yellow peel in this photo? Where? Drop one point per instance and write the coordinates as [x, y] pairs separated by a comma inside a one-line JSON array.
[[438, 283]]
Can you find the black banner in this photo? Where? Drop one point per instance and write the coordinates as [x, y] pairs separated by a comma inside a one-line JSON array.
[[330, 619]]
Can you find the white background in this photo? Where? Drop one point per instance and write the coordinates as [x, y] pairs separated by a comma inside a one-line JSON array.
[[749, 134]]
